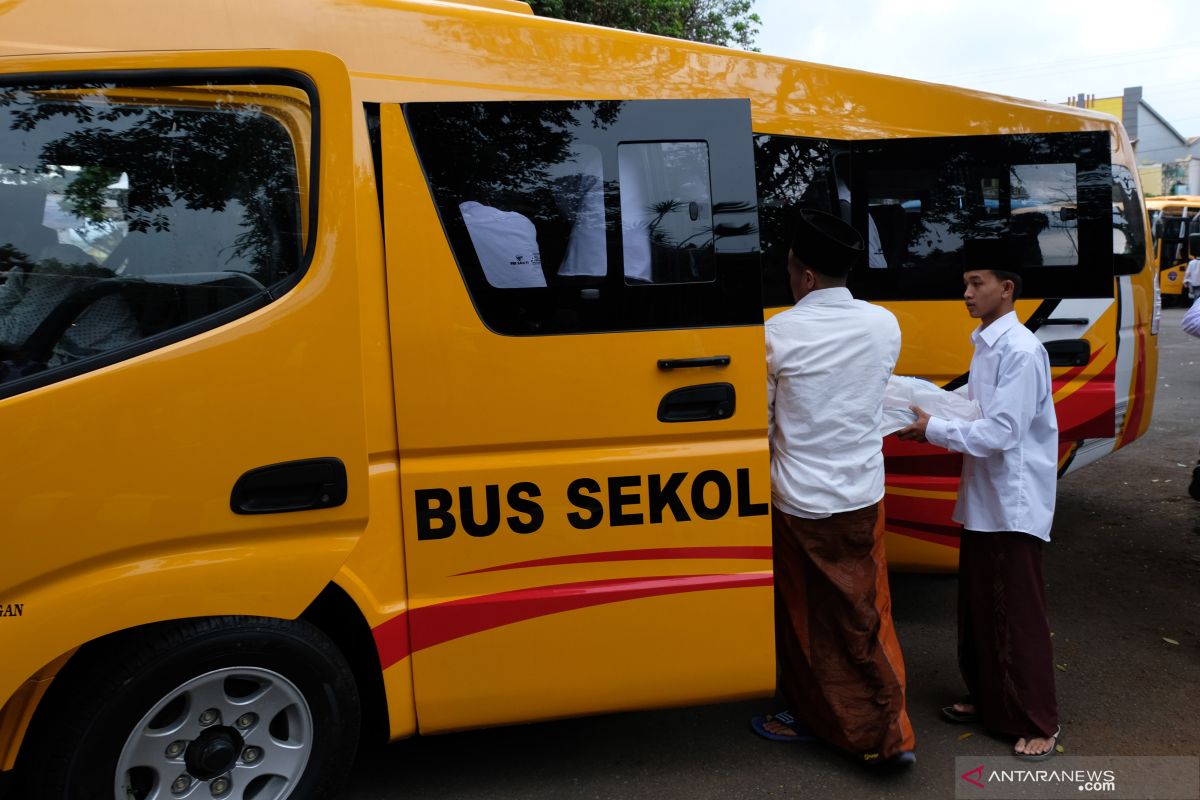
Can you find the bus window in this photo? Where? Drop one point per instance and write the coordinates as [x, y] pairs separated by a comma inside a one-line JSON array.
[[570, 217], [1129, 231], [792, 173], [1040, 201], [132, 212], [666, 212]]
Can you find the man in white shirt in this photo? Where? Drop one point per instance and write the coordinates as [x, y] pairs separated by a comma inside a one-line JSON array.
[[828, 362], [1006, 506], [1191, 279], [1191, 324]]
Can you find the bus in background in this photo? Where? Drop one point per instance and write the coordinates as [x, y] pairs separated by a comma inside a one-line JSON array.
[[1175, 231], [379, 368]]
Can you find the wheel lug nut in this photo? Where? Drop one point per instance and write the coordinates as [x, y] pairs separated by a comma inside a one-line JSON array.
[[251, 754], [175, 749], [219, 786], [181, 784], [246, 720], [208, 717]]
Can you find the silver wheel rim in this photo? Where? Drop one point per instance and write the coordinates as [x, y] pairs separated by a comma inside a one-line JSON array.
[[240, 733]]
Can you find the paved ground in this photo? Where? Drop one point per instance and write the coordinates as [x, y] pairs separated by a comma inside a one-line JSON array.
[[1123, 574]]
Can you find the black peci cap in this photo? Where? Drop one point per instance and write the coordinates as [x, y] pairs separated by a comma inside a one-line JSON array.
[[994, 254], [826, 244]]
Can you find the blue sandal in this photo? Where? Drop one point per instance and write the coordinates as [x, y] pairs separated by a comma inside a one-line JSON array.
[[784, 718]]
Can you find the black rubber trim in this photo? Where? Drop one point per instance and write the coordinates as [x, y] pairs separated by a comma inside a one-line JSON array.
[[375, 136], [166, 77]]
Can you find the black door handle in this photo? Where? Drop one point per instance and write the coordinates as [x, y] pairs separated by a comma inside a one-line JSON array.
[[290, 486], [688, 363], [1069, 352], [698, 403], [1043, 321]]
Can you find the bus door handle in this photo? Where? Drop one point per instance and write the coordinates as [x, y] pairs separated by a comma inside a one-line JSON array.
[[1069, 352], [707, 401], [1043, 321], [302, 485], [691, 363]]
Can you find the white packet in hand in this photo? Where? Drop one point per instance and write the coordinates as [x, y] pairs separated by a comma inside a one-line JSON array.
[[904, 391]]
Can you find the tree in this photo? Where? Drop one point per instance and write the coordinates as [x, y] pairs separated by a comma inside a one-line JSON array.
[[723, 22]]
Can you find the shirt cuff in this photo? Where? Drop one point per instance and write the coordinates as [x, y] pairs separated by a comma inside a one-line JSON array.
[[935, 432]]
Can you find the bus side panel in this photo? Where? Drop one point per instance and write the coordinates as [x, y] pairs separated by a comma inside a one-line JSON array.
[[582, 600]]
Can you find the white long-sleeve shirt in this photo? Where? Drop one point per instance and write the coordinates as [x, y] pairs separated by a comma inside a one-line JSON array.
[[829, 358], [1190, 322], [1010, 455]]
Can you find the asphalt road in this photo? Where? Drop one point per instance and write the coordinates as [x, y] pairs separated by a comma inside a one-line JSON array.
[[1123, 575]]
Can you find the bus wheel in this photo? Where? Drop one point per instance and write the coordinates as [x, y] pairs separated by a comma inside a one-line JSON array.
[[231, 707]]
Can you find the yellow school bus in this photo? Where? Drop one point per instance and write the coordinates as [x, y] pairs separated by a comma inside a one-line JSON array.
[[375, 367], [1175, 237]]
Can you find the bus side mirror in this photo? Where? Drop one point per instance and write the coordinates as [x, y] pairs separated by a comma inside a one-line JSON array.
[[1194, 244]]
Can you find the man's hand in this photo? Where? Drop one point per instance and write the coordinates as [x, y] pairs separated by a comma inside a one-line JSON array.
[[916, 431]]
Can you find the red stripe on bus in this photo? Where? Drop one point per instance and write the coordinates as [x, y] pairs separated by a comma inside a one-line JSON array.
[[1074, 372], [420, 628], [649, 554], [944, 535]]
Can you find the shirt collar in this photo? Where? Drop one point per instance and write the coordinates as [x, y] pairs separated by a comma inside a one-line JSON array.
[[824, 297], [992, 333]]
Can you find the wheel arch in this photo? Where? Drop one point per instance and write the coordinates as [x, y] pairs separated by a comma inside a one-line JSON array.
[[336, 614], [63, 676]]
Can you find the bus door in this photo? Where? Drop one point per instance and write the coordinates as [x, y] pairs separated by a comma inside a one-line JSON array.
[[179, 342], [581, 405], [1043, 203]]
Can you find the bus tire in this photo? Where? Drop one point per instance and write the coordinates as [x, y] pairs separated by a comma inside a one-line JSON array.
[[220, 707]]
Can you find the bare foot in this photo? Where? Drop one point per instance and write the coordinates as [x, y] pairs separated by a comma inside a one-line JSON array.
[[778, 728], [964, 708], [1036, 746]]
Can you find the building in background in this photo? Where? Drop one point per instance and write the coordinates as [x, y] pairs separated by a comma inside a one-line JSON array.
[[1168, 162]]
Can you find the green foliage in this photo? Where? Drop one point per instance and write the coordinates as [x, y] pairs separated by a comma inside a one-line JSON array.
[[723, 22]]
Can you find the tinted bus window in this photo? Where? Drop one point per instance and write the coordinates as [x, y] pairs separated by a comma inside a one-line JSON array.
[[1042, 202], [1129, 227], [128, 213], [793, 173], [570, 217]]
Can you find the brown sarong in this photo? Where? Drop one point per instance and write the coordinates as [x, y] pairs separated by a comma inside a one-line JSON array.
[[1004, 650], [841, 670]]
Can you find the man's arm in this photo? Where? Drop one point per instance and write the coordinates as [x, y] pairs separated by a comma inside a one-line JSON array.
[[1010, 413], [1191, 320]]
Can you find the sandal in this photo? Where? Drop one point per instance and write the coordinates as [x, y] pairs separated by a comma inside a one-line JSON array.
[[1051, 753], [784, 718], [950, 714]]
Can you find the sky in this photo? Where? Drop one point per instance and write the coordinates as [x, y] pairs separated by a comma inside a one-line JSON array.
[[1043, 50]]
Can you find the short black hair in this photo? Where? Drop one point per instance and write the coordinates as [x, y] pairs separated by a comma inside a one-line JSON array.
[[1015, 277]]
